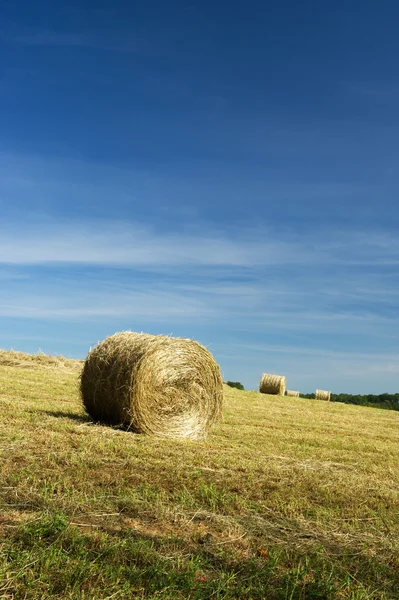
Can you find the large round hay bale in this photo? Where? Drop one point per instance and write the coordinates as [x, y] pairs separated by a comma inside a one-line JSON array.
[[272, 384], [166, 386], [292, 393], [322, 395]]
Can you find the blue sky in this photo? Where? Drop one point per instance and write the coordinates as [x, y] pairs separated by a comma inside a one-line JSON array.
[[227, 173]]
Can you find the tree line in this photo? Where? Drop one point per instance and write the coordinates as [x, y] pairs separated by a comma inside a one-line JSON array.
[[389, 401]]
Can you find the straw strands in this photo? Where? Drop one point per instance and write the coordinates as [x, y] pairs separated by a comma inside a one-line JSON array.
[[11, 358], [292, 393], [322, 395], [272, 384], [166, 386]]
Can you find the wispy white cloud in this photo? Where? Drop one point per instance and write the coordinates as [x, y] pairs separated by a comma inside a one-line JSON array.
[[123, 275], [289, 306], [308, 293], [135, 245], [314, 351], [261, 284], [71, 300]]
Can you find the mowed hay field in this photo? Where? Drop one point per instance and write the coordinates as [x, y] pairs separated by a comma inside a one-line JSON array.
[[287, 498]]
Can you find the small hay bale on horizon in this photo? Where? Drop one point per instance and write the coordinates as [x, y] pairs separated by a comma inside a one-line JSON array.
[[170, 387], [292, 393], [322, 395], [272, 384]]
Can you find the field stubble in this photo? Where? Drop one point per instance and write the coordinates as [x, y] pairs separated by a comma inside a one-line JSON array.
[[287, 498]]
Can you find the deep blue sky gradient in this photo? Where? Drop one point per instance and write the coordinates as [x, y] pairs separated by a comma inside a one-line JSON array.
[[224, 172]]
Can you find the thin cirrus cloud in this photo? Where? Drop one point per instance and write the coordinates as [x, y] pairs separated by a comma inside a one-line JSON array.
[[313, 296], [135, 245], [139, 305], [168, 300], [257, 297], [50, 176], [283, 287]]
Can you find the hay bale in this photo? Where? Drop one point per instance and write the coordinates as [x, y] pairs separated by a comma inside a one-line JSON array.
[[166, 386], [322, 395], [272, 384], [292, 393]]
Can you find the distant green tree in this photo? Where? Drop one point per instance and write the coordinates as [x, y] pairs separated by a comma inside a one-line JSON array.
[[389, 401], [235, 384]]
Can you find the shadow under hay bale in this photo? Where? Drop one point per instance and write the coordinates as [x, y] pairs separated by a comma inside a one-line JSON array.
[[169, 387], [292, 393], [272, 384], [322, 395]]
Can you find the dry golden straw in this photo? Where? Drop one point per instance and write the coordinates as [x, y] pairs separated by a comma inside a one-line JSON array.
[[166, 386], [322, 395], [11, 358], [292, 393], [272, 384]]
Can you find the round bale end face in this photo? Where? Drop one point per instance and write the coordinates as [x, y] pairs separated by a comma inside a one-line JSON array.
[[272, 384], [159, 385], [323, 395], [183, 395]]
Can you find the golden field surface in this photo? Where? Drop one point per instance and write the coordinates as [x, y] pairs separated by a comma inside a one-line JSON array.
[[287, 498]]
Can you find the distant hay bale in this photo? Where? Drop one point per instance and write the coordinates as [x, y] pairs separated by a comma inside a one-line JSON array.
[[292, 393], [166, 386], [322, 395], [272, 384]]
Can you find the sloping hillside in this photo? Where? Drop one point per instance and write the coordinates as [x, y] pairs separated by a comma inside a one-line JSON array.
[[287, 499]]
